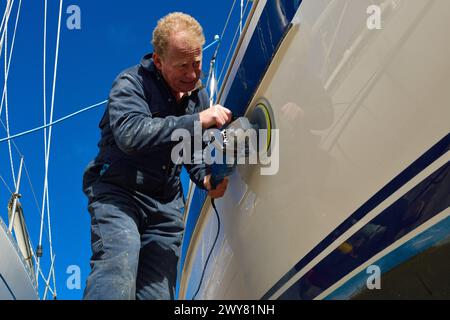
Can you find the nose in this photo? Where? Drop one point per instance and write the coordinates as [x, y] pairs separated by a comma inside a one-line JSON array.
[[191, 74]]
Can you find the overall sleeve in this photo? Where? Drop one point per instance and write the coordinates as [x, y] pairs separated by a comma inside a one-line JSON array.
[[135, 130], [197, 173]]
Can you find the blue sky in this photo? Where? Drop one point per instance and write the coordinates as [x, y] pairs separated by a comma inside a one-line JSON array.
[[113, 36]]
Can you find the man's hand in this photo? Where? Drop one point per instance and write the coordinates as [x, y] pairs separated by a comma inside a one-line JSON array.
[[216, 116], [219, 191]]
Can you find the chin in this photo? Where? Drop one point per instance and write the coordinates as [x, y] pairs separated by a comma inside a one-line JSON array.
[[187, 88]]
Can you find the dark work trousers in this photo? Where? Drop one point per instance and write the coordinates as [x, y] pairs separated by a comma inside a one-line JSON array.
[[135, 240]]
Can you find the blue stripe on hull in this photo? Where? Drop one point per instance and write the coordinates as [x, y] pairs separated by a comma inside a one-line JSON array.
[[419, 165], [417, 206], [431, 237]]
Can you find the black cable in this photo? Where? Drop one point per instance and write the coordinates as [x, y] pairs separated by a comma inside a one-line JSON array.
[[212, 249]]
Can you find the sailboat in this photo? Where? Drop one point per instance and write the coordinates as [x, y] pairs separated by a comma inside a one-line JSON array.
[[20, 264], [17, 279], [358, 207]]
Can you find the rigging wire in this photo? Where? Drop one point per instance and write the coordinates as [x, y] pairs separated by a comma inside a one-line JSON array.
[[7, 66], [38, 212], [213, 59], [45, 196], [10, 54], [5, 100], [52, 271], [14, 143], [5, 96], [231, 47], [39, 270], [224, 28], [39, 248], [5, 92], [212, 70], [54, 122], [3, 19], [50, 137], [6, 185], [8, 9], [211, 44], [44, 75]]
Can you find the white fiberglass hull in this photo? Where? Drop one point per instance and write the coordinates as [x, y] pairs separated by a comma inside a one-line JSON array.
[[356, 109]]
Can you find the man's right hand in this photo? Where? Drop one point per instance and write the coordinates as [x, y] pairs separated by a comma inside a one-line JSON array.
[[215, 116]]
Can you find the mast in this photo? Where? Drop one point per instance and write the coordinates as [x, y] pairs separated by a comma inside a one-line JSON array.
[[17, 222]]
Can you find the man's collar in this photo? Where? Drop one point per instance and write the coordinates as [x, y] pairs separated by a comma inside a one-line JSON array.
[[147, 62]]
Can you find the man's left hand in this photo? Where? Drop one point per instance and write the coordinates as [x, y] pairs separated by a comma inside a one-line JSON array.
[[220, 189]]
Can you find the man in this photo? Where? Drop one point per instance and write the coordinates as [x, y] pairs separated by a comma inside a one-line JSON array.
[[133, 186]]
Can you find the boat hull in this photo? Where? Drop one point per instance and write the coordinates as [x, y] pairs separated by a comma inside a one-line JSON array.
[[363, 167]]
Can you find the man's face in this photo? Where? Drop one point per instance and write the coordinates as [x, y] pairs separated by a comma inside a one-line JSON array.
[[181, 65]]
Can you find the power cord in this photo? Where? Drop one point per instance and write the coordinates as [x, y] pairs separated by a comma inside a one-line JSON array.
[[212, 249]]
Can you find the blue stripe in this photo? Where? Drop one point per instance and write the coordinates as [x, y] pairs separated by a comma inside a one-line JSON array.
[[431, 237], [270, 30], [198, 198], [272, 26], [419, 165], [417, 206], [7, 286]]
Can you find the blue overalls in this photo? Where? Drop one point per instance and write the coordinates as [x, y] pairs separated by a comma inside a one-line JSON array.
[[134, 191]]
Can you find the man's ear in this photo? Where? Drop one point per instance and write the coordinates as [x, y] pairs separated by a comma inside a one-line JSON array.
[[157, 60]]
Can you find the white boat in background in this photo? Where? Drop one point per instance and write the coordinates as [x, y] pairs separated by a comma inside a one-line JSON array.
[[363, 186], [20, 266], [17, 280]]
